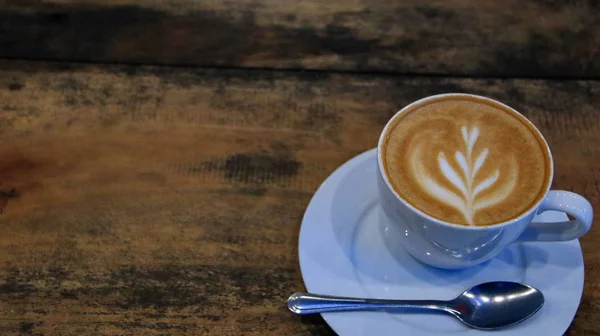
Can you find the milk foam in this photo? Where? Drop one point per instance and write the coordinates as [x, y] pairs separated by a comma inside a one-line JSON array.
[[467, 181]]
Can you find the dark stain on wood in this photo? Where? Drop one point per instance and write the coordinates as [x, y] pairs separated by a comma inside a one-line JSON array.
[[255, 168], [16, 164], [247, 167], [26, 327], [69, 294], [436, 13], [18, 173], [319, 114], [5, 196], [253, 191], [11, 83], [166, 287], [12, 286], [15, 86], [21, 174]]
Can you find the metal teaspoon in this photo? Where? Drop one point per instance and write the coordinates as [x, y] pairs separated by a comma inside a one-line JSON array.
[[487, 306]]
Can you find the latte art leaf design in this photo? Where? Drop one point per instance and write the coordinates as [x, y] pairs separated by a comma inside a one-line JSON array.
[[465, 179]]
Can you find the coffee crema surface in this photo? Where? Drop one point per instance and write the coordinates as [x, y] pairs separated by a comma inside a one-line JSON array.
[[466, 160]]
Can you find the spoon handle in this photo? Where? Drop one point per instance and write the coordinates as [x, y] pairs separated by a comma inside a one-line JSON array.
[[306, 303]]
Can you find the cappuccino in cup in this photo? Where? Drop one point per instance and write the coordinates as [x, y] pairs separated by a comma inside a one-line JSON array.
[[461, 177]]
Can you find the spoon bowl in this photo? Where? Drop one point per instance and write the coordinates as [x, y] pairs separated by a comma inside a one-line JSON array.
[[487, 306], [495, 305]]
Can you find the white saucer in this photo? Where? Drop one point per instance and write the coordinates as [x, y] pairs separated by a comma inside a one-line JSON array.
[[347, 249]]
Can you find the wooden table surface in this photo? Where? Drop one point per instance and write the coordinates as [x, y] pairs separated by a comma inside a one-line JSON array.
[[156, 157]]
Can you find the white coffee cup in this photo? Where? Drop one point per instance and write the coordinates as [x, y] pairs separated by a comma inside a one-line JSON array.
[[453, 246]]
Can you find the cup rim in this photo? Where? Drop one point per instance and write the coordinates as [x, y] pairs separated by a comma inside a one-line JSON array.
[[533, 207]]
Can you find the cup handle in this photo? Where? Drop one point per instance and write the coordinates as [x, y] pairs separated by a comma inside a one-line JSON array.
[[568, 202]]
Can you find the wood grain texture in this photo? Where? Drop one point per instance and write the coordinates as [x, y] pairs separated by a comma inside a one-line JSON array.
[[534, 38], [167, 201]]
